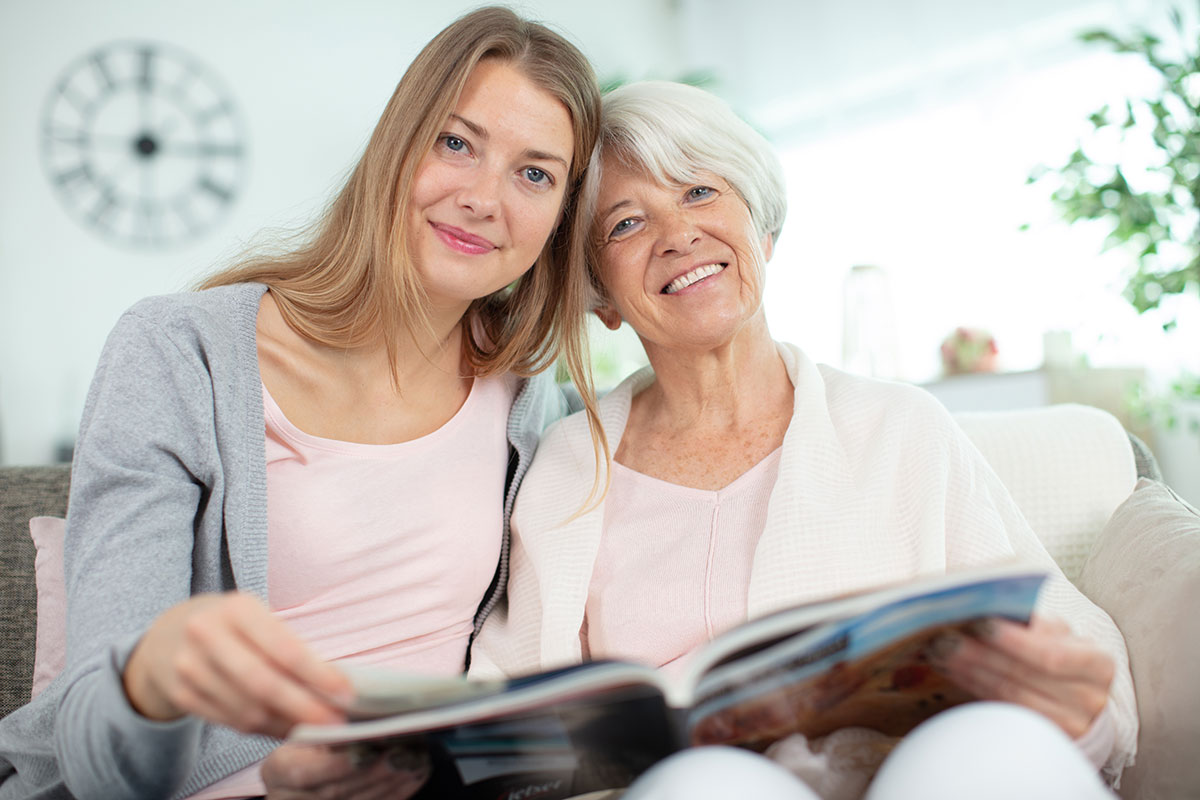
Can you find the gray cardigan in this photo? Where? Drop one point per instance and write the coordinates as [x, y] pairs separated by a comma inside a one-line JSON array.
[[168, 499]]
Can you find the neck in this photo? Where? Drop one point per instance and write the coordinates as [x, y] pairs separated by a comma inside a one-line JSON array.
[[420, 355], [722, 387], [423, 358]]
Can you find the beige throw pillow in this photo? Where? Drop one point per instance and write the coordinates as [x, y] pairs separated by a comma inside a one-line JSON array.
[[1144, 570]]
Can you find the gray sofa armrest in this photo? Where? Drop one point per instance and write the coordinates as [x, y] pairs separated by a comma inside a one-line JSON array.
[[24, 492], [1147, 464]]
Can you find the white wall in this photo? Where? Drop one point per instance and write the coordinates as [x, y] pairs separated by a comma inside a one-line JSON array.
[[906, 128], [310, 79], [907, 131]]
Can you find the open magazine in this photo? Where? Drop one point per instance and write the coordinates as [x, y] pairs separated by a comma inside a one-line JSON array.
[[858, 660]]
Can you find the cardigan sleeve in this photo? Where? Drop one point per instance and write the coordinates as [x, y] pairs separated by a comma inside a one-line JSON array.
[[145, 461], [981, 516]]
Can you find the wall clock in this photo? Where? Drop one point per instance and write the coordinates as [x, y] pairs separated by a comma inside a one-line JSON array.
[[143, 144]]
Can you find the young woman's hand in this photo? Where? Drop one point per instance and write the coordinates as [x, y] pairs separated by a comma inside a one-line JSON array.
[[1042, 666], [226, 658], [308, 772]]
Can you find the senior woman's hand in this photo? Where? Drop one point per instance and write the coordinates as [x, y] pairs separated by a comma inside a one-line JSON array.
[[312, 772], [1042, 666]]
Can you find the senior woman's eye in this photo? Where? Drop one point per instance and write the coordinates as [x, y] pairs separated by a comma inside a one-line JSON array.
[[622, 227], [700, 192]]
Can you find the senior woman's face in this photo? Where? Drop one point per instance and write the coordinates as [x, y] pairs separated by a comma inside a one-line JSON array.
[[682, 264]]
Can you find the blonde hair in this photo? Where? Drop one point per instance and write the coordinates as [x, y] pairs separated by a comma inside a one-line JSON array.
[[351, 281]]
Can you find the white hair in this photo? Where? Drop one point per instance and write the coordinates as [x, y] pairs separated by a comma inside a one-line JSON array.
[[674, 131]]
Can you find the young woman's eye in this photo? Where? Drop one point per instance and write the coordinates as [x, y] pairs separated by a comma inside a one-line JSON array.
[[699, 192], [535, 175], [452, 142]]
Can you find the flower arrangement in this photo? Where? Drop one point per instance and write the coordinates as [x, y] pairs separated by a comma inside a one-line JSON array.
[[969, 350]]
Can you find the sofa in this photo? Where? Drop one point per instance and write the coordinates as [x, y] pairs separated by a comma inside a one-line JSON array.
[[1091, 491], [25, 492]]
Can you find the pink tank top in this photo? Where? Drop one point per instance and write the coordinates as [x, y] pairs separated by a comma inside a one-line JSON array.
[[381, 554]]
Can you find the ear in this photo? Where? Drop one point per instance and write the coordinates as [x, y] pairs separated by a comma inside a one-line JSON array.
[[609, 316], [768, 246]]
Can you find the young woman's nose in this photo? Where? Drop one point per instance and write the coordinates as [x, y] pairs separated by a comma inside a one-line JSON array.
[[480, 192]]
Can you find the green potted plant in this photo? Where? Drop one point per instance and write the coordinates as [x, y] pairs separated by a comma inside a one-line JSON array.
[[1158, 222], [1153, 215]]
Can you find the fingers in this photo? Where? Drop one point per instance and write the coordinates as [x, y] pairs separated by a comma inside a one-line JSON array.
[[227, 659], [293, 767], [256, 624], [1069, 707], [302, 772], [1042, 667], [1048, 647], [244, 664], [392, 781]]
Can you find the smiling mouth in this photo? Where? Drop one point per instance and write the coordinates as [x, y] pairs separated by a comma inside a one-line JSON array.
[[693, 277], [462, 241]]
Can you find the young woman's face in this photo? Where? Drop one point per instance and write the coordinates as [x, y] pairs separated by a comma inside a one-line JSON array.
[[683, 264], [488, 196]]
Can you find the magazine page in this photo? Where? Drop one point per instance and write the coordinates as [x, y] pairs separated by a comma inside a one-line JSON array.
[[762, 633], [381, 691], [494, 700], [867, 670], [593, 735]]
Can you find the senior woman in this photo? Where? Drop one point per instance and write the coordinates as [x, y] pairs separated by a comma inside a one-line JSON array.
[[747, 478]]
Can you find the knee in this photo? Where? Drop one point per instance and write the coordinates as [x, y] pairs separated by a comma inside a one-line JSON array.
[[988, 750], [717, 772]]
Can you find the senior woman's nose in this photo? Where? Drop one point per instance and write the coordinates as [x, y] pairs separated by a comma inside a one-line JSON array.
[[679, 235]]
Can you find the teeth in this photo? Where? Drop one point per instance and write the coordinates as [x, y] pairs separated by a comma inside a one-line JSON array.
[[698, 274]]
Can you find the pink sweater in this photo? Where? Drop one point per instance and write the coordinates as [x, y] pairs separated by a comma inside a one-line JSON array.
[[674, 564]]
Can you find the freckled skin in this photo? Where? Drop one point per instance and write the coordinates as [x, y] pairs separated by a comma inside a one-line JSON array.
[[702, 455]]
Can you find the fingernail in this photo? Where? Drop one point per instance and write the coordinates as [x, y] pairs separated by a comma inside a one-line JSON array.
[[408, 758], [942, 647], [362, 754], [982, 628]]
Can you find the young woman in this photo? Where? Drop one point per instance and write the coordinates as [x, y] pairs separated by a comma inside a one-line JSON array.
[[313, 460], [746, 478]]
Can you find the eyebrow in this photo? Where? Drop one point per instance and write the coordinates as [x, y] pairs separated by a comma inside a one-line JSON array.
[[536, 155], [612, 208]]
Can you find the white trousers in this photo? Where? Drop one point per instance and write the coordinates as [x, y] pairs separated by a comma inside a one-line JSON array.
[[982, 751]]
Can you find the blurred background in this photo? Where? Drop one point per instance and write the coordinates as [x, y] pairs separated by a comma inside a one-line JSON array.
[[980, 201]]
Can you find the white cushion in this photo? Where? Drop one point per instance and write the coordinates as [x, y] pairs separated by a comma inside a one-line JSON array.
[[1068, 467], [1145, 572]]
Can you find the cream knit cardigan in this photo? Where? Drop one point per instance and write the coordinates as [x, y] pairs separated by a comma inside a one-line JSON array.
[[876, 484]]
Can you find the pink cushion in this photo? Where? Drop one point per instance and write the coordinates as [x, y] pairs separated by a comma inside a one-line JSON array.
[[50, 652]]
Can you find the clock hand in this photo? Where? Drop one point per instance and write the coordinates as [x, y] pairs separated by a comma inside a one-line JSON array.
[[145, 82], [204, 149]]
